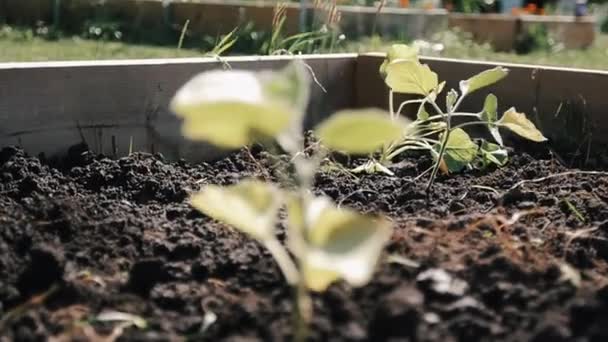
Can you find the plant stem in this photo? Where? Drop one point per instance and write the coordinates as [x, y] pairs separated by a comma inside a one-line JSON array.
[[457, 104], [404, 148], [434, 104], [435, 117], [471, 123], [405, 103], [286, 264], [391, 105], [444, 145], [302, 312]]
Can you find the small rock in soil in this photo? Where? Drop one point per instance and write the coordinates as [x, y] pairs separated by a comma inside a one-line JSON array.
[[439, 282]]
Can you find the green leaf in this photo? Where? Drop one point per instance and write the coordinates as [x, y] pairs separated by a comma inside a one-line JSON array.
[[422, 113], [233, 125], [433, 95], [411, 77], [398, 52], [483, 79], [360, 131], [451, 99], [460, 150], [317, 278], [233, 108], [490, 115], [341, 243], [493, 154], [250, 206], [291, 84], [519, 123], [371, 167], [490, 107]]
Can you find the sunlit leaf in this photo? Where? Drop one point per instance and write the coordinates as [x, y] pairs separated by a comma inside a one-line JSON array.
[[483, 79], [450, 99], [371, 167], [401, 52], [411, 77], [519, 123], [435, 92], [339, 243], [422, 113], [250, 206], [490, 107], [460, 151], [490, 115], [233, 108], [235, 124], [493, 154], [360, 131], [318, 279], [292, 83]]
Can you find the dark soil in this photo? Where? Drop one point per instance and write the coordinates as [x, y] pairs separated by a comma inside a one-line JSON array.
[[479, 262]]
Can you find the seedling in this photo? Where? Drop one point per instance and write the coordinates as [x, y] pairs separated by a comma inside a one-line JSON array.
[[450, 145], [234, 108]]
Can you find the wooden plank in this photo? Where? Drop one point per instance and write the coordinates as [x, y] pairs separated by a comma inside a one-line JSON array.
[[542, 92], [402, 23], [572, 106], [499, 30], [46, 107], [502, 31]]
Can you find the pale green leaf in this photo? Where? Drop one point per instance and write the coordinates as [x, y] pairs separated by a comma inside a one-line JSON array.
[[519, 123], [411, 77], [493, 154], [371, 167], [483, 79], [292, 83], [402, 52], [345, 243], [490, 107], [360, 131], [451, 99], [460, 150], [490, 115], [332, 243], [230, 109], [233, 124], [422, 113], [433, 95], [250, 206], [318, 279], [398, 52]]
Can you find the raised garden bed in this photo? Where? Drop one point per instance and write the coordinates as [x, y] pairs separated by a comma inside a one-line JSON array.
[[517, 253], [504, 31]]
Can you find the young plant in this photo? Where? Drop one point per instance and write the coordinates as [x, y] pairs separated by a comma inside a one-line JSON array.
[[450, 145], [234, 108]]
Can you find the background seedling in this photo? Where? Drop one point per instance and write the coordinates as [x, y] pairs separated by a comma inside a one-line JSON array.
[[450, 145], [234, 108]]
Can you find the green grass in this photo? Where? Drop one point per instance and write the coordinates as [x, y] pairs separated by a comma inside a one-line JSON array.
[[22, 45], [594, 57]]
